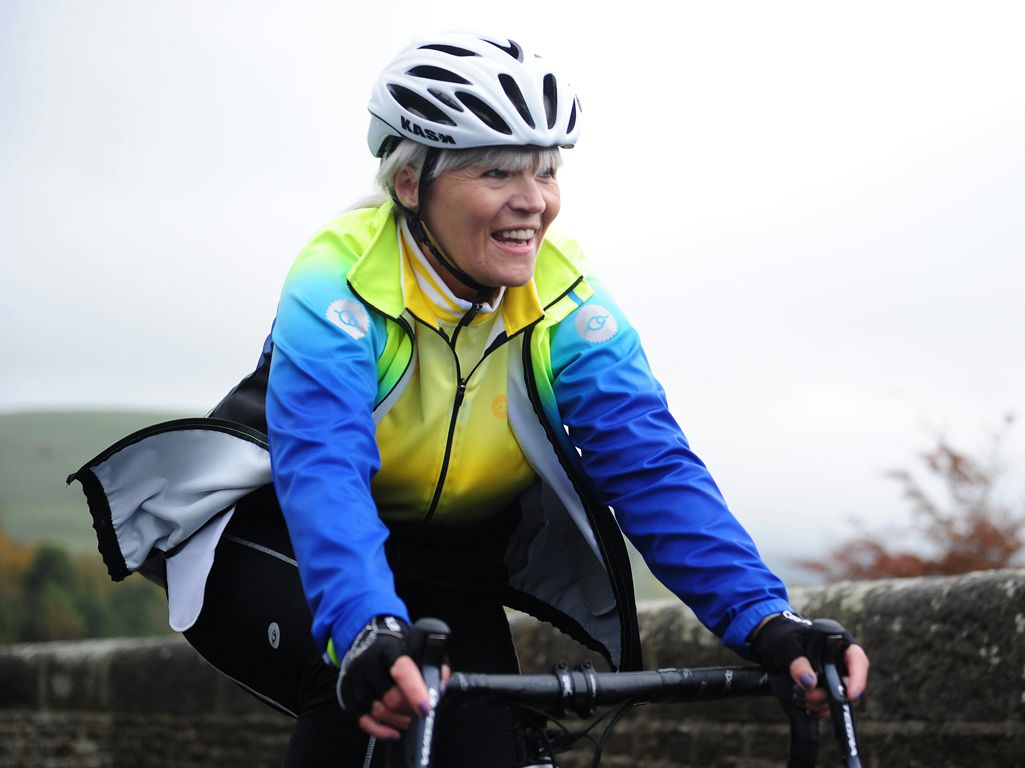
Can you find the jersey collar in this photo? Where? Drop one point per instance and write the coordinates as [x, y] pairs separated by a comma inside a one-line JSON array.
[[382, 278]]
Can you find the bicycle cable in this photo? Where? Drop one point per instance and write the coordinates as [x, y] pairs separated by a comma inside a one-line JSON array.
[[623, 709], [568, 737]]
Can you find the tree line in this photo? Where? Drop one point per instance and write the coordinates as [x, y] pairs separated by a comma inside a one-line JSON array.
[[48, 594]]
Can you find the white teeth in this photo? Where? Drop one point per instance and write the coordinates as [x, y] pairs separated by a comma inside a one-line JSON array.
[[517, 234]]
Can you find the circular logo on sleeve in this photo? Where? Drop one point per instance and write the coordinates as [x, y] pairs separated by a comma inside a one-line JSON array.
[[274, 634], [350, 316], [596, 324]]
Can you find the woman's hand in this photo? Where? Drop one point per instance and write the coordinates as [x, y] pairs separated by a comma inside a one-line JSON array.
[[380, 682], [394, 710], [778, 643], [815, 699]]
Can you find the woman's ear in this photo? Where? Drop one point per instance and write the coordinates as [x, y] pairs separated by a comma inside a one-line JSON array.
[[407, 188]]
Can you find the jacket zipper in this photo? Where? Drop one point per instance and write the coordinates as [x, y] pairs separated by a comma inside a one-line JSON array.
[[460, 394], [461, 391]]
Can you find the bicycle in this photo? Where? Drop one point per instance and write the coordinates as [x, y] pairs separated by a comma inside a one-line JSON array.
[[580, 691]]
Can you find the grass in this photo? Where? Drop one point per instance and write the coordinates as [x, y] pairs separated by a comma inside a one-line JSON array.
[[38, 450]]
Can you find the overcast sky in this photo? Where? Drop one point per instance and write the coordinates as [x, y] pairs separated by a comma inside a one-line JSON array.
[[814, 213]]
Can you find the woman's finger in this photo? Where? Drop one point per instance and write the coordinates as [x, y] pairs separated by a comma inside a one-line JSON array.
[[411, 683], [857, 669], [803, 674], [806, 694], [397, 717], [816, 703], [396, 701], [376, 729]]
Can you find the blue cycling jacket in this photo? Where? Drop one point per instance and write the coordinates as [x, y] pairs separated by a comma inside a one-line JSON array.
[[589, 416]]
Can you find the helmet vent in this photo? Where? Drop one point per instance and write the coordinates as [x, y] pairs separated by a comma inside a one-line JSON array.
[[445, 99], [416, 104], [452, 50], [551, 97], [512, 49], [572, 118], [437, 73], [516, 97], [487, 115]]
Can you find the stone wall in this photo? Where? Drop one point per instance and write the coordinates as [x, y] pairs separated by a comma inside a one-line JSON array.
[[947, 689], [126, 703]]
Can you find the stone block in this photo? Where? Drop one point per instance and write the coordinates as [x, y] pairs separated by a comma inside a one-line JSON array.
[[941, 648], [671, 636], [540, 646], [164, 740], [21, 678], [75, 675], [165, 676], [54, 740]]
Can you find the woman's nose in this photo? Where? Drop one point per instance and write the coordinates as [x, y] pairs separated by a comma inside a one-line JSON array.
[[528, 195]]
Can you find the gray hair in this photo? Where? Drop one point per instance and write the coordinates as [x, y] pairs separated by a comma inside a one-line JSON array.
[[413, 154]]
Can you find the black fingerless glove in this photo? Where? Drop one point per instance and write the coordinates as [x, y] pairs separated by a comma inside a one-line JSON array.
[[365, 672], [782, 639]]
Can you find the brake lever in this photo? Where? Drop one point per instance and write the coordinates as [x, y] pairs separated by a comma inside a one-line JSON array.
[[427, 647], [804, 728], [826, 652]]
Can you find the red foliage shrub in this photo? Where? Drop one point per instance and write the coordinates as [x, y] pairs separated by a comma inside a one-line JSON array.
[[972, 531]]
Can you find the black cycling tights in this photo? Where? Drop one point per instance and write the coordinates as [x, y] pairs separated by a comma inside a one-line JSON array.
[[255, 628]]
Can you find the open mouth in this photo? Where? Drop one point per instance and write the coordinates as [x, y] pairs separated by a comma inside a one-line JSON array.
[[514, 237]]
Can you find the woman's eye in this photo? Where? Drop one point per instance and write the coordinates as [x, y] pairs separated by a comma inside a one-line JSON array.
[[547, 173], [496, 173]]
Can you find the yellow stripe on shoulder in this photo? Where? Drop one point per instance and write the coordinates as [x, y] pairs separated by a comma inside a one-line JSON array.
[[413, 296]]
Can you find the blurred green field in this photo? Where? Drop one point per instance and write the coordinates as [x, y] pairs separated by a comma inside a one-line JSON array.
[[38, 450]]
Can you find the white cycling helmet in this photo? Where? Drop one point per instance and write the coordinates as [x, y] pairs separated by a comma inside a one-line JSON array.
[[457, 90]]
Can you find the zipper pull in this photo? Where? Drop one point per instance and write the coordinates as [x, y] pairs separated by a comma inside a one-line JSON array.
[[465, 321], [460, 392], [470, 314]]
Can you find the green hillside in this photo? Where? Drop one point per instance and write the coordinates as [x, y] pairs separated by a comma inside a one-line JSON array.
[[37, 453]]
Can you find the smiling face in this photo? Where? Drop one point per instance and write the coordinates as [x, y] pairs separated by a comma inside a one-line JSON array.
[[490, 222]]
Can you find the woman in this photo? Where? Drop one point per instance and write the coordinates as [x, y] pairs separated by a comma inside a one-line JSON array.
[[453, 403]]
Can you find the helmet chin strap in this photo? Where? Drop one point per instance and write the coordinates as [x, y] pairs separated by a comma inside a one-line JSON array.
[[419, 231]]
